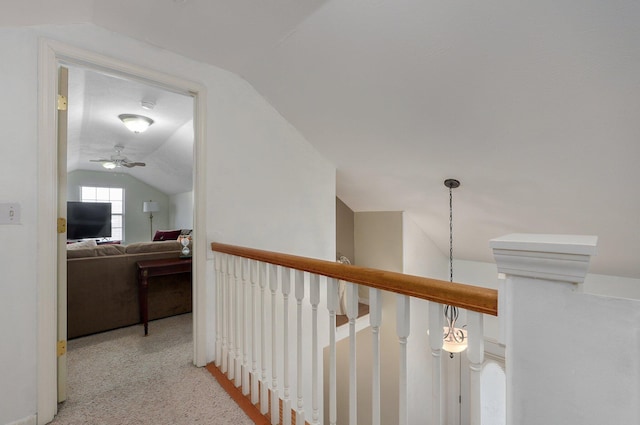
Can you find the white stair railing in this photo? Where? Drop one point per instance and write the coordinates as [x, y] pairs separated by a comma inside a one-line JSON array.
[[256, 343], [264, 385], [436, 321], [375, 319], [299, 294], [314, 299], [255, 379], [332, 305]]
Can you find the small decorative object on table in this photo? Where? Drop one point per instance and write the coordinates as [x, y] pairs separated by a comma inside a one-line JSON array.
[[184, 241]]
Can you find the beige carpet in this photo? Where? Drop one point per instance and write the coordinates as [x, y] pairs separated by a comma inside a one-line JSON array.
[[122, 377]]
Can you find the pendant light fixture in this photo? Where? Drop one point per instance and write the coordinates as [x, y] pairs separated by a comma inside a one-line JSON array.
[[454, 339]]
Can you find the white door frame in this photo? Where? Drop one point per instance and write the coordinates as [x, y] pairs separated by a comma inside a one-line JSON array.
[[51, 54]]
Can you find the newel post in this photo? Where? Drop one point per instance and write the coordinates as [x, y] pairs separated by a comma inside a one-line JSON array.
[[544, 275]]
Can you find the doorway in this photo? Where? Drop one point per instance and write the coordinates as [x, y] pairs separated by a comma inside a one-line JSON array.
[[52, 55], [111, 165]]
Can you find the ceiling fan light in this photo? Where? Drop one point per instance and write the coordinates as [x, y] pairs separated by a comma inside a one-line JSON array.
[[136, 123], [109, 165]]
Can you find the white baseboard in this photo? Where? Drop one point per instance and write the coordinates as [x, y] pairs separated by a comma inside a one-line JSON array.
[[30, 420]]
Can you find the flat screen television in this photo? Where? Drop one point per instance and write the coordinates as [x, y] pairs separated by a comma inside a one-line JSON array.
[[88, 220]]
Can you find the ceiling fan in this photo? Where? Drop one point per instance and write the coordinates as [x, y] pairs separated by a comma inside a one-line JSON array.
[[118, 160]]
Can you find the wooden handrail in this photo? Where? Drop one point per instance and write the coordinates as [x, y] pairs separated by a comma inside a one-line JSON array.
[[469, 297]]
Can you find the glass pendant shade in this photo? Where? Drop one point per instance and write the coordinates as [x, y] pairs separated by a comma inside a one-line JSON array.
[[455, 340]]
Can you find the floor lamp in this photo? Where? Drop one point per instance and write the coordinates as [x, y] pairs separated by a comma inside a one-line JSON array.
[[150, 207]]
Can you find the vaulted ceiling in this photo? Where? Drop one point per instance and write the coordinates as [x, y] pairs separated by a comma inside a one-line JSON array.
[[94, 129], [534, 106]]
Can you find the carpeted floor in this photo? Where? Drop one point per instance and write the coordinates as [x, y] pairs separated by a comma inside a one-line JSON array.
[[122, 377]]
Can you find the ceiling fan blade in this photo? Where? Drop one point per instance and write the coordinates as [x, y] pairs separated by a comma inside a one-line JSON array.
[[134, 164], [99, 160]]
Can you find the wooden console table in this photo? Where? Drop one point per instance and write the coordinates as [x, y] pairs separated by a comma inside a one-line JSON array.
[[150, 268]]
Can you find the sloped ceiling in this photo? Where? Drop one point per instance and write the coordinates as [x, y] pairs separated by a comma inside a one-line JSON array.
[[533, 106], [94, 129]]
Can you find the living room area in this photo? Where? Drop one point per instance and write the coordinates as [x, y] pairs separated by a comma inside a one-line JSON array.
[[129, 147]]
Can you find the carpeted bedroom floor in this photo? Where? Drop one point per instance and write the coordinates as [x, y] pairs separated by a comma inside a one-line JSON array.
[[122, 377]]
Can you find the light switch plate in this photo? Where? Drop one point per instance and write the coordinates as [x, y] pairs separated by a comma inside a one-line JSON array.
[[9, 213]]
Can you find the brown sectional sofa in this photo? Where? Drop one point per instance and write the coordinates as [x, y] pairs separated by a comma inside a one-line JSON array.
[[102, 287]]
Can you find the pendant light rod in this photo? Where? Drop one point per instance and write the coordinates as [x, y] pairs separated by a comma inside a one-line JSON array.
[[454, 339], [451, 184]]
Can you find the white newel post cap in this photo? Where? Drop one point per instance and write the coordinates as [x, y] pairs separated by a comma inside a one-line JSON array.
[[563, 258]]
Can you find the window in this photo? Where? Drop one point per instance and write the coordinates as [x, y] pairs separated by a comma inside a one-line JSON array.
[[115, 195]]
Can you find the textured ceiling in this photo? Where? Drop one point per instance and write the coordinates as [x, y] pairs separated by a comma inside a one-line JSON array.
[[532, 105]]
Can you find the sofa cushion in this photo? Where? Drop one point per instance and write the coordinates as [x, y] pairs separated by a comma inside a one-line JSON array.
[[166, 235], [144, 247], [89, 243], [103, 250], [82, 253], [98, 251]]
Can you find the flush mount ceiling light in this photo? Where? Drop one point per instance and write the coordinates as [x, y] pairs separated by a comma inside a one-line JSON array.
[[136, 123], [454, 339]]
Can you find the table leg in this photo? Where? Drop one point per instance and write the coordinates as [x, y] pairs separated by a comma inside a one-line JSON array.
[[144, 304]]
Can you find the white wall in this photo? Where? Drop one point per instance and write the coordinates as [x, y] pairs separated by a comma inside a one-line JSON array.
[[181, 211], [266, 186], [136, 222], [18, 165], [378, 244], [421, 258], [612, 286]]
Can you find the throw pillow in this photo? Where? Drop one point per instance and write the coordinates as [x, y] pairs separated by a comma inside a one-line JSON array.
[[90, 243], [166, 235]]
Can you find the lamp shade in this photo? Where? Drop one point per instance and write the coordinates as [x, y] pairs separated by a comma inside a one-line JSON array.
[[150, 206]]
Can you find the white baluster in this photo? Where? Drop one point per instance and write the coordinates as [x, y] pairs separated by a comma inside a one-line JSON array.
[[352, 315], [436, 322], [375, 319], [239, 294], [402, 328], [332, 305], [475, 354], [299, 293], [245, 326], [254, 335], [314, 299], [225, 312], [264, 388], [275, 397], [286, 290], [219, 277], [231, 317]]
